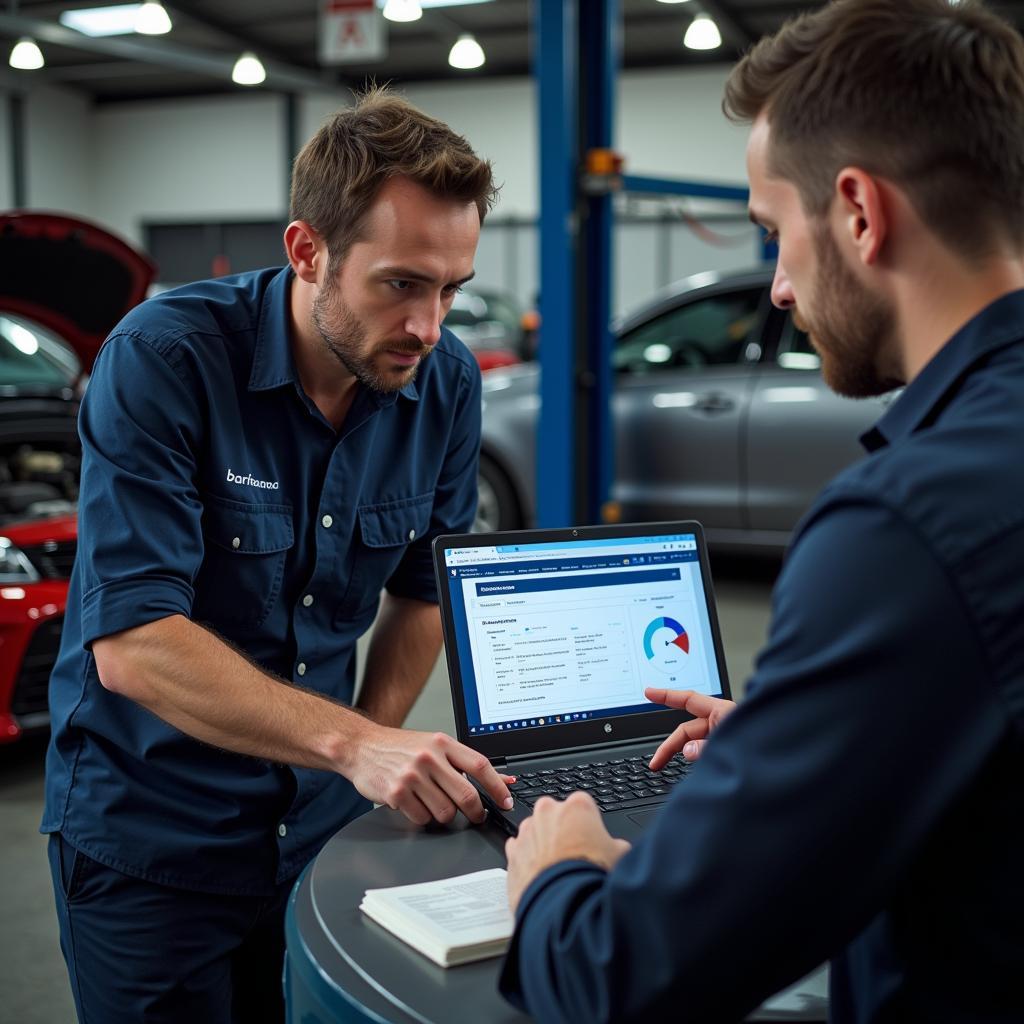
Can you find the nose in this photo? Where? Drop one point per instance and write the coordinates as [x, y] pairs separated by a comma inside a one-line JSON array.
[[424, 321], [782, 290]]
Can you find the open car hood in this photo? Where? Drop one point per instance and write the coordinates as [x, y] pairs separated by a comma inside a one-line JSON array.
[[70, 276]]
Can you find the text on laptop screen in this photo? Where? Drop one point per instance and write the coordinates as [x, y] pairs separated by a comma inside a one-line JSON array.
[[554, 633]]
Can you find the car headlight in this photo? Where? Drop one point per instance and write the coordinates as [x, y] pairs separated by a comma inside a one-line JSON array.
[[14, 564]]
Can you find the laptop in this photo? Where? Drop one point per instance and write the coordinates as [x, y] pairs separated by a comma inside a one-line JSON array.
[[551, 637]]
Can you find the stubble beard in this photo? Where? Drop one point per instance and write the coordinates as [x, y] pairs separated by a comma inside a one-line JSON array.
[[852, 329], [344, 335]]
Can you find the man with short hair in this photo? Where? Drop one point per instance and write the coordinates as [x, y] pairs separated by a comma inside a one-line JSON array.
[[864, 802], [262, 455]]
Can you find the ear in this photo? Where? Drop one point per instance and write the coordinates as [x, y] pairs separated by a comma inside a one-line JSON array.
[[306, 250], [862, 209]]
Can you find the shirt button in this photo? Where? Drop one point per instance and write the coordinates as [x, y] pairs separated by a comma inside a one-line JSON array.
[[301, 668], [307, 600], [412, 535], [327, 521], [236, 542], [282, 830]]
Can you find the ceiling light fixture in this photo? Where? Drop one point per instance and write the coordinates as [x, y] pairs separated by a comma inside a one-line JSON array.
[[26, 56], [148, 19], [152, 20], [248, 70], [702, 34], [403, 10], [115, 20], [466, 54]]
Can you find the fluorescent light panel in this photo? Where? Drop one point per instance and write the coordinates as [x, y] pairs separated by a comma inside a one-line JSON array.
[[425, 4], [115, 20]]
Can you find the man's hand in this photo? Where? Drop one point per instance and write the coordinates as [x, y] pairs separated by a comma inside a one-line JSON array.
[[557, 831], [688, 737], [419, 774]]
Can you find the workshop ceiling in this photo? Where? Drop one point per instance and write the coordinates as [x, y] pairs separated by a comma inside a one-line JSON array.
[[195, 58]]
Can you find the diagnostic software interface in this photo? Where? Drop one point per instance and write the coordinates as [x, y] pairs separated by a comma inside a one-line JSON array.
[[549, 633]]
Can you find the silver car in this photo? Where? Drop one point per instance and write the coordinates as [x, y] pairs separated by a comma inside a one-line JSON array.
[[720, 415]]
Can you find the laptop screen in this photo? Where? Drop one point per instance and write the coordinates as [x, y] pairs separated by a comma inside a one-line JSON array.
[[550, 633]]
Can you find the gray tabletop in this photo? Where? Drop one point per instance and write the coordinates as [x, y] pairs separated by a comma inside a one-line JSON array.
[[389, 980]]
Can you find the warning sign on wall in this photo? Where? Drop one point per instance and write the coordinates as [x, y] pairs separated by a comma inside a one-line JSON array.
[[351, 32]]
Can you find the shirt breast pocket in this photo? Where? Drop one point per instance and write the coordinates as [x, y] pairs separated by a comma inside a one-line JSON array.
[[386, 529], [243, 565]]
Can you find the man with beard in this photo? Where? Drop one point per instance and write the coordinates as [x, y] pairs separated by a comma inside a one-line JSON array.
[[262, 455], [864, 802]]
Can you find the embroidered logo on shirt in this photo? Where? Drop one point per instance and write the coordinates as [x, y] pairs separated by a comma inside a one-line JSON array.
[[251, 481]]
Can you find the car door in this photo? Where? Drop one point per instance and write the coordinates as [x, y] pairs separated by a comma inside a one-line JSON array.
[[684, 379], [800, 433]]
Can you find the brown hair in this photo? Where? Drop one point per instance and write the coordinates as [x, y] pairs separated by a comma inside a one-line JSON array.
[[923, 93], [339, 172]]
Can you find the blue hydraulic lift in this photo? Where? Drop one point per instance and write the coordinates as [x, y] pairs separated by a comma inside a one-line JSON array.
[[576, 64]]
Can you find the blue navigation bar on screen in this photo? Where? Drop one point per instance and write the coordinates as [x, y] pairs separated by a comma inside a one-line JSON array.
[[603, 579]]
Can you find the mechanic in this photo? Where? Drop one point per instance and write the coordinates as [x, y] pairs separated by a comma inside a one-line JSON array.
[[263, 454], [864, 802]]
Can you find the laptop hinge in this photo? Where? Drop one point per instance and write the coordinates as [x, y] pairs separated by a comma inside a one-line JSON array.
[[589, 749]]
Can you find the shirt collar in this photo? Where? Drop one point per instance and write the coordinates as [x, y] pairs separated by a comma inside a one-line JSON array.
[[996, 326], [273, 364]]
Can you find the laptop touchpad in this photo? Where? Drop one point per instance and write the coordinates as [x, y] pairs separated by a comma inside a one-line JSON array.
[[643, 818]]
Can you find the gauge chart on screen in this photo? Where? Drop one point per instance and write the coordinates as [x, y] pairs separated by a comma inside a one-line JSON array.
[[667, 645]]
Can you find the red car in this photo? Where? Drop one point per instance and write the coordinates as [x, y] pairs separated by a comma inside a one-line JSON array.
[[64, 284]]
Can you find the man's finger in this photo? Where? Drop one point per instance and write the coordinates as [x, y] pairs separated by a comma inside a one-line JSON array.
[[670, 698], [482, 770], [458, 789], [441, 799], [693, 749], [581, 796], [413, 808], [683, 734], [699, 704]]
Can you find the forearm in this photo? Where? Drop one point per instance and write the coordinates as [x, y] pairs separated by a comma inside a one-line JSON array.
[[190, 678], [404, 649]]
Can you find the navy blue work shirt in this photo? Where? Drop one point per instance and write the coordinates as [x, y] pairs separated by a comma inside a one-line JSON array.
[[212, 487], [864, 802]]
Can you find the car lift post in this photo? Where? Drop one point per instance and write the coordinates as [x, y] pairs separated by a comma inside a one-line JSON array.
[[579, 174], [574, 439]]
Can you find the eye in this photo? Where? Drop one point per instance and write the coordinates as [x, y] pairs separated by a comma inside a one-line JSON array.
[[452, 290], [399, 285]]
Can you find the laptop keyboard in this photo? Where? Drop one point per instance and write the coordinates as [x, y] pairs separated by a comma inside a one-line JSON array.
[[615, 784]]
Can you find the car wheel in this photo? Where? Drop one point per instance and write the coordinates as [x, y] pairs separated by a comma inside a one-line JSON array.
[[497, 507]]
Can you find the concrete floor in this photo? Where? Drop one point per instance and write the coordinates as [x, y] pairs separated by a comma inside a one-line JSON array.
[[33, 982]]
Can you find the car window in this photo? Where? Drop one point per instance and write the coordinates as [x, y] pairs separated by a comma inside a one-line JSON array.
[[795, 349], [482, 320], [31, 355], [713, 331]]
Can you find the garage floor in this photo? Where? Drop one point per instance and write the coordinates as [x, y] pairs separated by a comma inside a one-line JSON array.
[[33, 982]]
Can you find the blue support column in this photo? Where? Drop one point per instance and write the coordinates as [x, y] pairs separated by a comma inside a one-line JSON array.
[[576, 67], [556, 71], [599, 39]]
